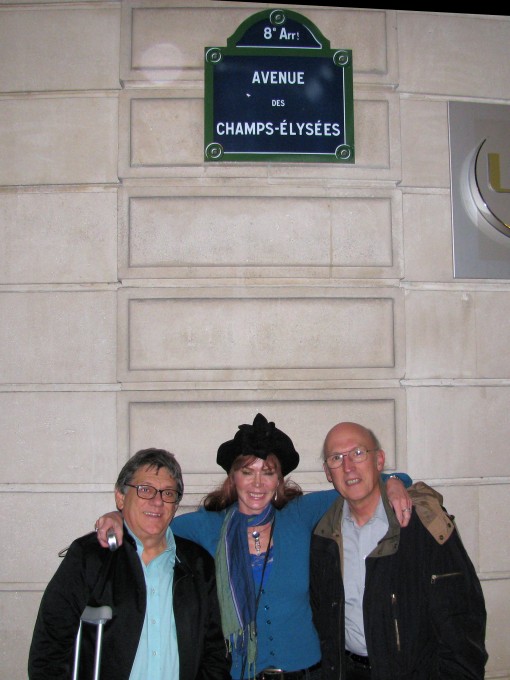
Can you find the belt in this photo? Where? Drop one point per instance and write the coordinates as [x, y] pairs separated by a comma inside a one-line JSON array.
[[274, 673], [360, 660]]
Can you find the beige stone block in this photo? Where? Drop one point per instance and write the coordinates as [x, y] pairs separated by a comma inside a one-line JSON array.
[[228, 231], [492, 333], [493, 528], [18, 610], [169, 234], [58, 237], [453, 55], [53, 437], [164, 420], [427, 237], [441, 334], [159, 131], [320, 335], [52, 337], [59, 48], [372, 123], [457, 432], [362, 233], [425, 150], [457, 334], [48, 520], [497, 597], [57, 140], [156, 45]]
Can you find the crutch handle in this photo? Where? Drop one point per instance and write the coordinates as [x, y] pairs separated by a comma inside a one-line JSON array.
[[97, 616]]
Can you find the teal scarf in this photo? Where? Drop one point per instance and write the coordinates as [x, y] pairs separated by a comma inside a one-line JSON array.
[[234, 579]]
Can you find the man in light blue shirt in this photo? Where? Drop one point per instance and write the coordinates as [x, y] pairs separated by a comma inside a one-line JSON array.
[[155, 658], [166, 621], [358, 543]]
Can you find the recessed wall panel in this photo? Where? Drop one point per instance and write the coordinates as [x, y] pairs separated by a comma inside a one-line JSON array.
[[156, 46], [228, 337], [357, 234], [163, 419]]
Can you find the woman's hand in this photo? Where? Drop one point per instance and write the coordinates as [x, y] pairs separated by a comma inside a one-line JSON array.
[[399, 499], [112, 520]]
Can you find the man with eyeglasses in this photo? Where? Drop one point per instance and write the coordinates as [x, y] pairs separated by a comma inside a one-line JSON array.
[[390, 602], [161, 589]]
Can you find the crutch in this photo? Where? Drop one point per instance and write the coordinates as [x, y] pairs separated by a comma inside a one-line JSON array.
[[98, 616]]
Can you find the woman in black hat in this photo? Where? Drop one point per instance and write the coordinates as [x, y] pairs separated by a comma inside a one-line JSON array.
[[258, 526]]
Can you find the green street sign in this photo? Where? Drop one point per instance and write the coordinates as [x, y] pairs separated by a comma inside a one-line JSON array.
[[278, 93]]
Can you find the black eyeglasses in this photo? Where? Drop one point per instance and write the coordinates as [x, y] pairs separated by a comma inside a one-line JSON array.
[[147, 492], [357, 455]]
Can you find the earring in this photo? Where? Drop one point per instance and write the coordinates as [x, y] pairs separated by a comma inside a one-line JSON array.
[[276, 495]]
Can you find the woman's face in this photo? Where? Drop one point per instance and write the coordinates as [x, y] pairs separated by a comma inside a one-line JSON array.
[[255, 483]]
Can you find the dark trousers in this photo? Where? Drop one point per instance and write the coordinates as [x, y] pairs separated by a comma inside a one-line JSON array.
[[355, 670]]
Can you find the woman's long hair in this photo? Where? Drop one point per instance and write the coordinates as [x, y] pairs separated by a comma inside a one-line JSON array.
[[226, 493]]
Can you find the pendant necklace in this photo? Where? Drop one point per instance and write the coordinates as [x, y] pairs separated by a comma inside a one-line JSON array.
[[256, 538]]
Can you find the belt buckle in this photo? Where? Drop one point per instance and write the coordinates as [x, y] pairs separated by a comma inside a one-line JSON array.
[[272, 673]]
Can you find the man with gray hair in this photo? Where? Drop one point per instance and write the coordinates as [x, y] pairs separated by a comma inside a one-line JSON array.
[[161, 589], [390, 601]]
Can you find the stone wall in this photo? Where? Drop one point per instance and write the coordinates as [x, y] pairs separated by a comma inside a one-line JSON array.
[[150, 299]]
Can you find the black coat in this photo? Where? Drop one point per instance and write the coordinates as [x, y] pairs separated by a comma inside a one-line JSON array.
[[423, 607], [91, 575]]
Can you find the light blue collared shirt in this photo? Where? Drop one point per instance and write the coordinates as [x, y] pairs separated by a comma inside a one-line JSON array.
[[157, 656], [358, 542]]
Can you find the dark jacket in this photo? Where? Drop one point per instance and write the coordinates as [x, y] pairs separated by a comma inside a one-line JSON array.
[[423, 606], [91, 575]]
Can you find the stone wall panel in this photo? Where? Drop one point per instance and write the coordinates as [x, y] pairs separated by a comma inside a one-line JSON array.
[[352, 234], [69, 438], [228, 337], [59, 48], [58, 337], [58, 237], [163, 419], [427, 238], [429, 65], [425, 150], [457, 334], [156, 47], [457, 432], [58, 140]]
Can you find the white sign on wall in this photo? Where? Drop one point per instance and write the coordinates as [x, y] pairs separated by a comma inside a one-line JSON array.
[[480, 189]]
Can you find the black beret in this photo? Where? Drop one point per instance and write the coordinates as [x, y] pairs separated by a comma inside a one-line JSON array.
[[260, 439]]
